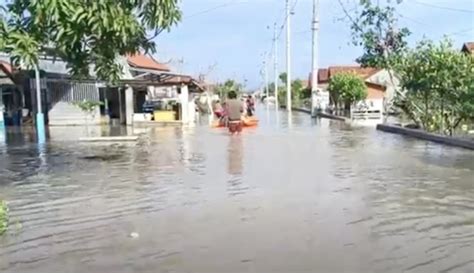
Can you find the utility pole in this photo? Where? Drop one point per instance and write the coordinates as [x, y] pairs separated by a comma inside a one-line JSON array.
[[266, 77], [275, 59], [40, 130], [315, 58], [288, 56]]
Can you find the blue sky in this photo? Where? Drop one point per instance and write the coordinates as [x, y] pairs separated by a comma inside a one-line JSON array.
[[233, 34]]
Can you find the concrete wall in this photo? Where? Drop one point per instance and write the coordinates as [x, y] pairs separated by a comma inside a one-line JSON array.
[[372, 104], [451, 141], [64, 113], [2, 122]]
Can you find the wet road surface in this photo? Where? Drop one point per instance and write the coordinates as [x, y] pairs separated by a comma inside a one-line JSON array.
[[299, 196]]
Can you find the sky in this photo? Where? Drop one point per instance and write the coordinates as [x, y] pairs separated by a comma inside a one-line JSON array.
[[228, 38]]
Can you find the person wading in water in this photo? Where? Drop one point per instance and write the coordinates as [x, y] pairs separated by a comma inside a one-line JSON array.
[[234, 112]]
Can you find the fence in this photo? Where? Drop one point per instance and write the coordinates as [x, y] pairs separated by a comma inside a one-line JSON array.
[[67, 91]]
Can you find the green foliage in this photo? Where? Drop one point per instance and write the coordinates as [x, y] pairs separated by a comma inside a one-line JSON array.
[[84, 32], [375, 30], [3, 217], [87, 106], [298, 91], [283, 78], [347, 88], [223, 89], [439, 86]]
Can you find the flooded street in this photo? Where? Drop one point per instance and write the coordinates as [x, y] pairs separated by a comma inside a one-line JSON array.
[[293, 195]]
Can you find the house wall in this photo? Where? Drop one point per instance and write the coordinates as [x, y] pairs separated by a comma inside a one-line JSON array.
[[65, 113], [59, 98], [157, 92], [2, 122], [374, 100], [383, 78]]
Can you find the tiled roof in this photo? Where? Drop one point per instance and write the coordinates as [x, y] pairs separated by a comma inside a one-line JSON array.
[[468, 47], [145, 62], [6, 67], [364, 73]]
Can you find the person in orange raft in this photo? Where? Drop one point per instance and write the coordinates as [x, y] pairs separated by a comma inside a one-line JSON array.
[[234, 111]]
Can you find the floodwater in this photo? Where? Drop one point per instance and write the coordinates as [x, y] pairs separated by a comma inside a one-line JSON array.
[[293, 195]]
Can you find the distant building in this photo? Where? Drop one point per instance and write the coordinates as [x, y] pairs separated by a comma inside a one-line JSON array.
[[380, 87], [143, 77], [468, 48]]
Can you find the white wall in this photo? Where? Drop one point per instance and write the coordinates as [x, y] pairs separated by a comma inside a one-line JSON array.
[[156, 92], [64, 113]]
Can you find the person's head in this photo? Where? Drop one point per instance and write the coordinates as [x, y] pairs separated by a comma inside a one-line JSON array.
[[232, 95]]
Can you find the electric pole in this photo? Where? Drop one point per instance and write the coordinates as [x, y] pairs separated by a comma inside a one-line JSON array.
[[288, 56], [315, 59], [275, 59], [266, 77]]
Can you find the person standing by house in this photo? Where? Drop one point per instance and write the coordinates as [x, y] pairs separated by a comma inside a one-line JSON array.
[[234, 112]]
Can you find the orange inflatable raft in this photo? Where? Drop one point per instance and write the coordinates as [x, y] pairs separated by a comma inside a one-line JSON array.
[[246, 122]]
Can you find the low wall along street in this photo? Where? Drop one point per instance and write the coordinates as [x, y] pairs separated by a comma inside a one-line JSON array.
[[452, 141]]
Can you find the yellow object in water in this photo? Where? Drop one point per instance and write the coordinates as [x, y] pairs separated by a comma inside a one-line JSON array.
[[164, 115]]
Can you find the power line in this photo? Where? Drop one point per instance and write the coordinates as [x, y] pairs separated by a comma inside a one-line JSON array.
[[442, 7], [232, 3], [286, 17], [411, 19], [282, 26], [461, 32]]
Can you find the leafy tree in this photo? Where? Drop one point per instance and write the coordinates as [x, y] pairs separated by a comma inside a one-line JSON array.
[[375, 29], [440, 81], [229, 85], [84, 32], [346, 89], [283, 78], [298, 92]]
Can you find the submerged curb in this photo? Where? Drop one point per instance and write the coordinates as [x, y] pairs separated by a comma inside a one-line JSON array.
[[451, 141]]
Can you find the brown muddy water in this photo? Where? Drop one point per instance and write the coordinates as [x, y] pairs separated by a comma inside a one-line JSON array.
[[292, 195]]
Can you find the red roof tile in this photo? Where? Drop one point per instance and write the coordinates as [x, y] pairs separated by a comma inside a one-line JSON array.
[[468, 47], [364, 73], [145, 62], [6, 67]]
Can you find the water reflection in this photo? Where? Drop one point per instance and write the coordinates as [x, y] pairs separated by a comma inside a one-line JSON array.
[[235, 155], [295, 196]]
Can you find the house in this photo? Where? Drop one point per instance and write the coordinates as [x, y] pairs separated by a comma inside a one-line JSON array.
[[380, 84], [142, 76], [468, 48], [10, 96], [153, 81]]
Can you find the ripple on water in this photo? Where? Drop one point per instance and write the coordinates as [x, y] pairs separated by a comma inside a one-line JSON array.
[[292, 197]]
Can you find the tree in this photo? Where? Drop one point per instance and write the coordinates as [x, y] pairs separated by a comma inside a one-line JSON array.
[[283, 78], [375, 29], [346, 89], [84, 32], [297, 92], [229, 85], [440, 81]]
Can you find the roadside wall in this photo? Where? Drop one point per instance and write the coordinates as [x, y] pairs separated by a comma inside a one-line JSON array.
[[451, 141]]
